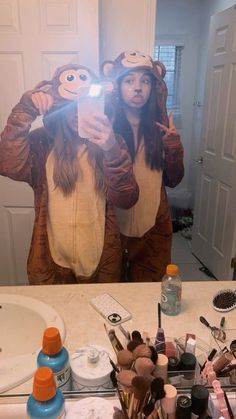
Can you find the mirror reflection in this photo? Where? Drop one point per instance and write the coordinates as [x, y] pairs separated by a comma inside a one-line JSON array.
[[182, 44]]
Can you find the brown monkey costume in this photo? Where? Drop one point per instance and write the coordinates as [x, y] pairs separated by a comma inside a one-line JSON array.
[[76, 185], [146, 228]]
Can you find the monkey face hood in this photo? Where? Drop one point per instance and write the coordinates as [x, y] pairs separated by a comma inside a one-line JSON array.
[[132, 60], [68, 83]]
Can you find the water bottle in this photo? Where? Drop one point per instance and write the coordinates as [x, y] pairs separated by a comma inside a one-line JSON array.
[[46, 400], [56, 357], [171, 290]]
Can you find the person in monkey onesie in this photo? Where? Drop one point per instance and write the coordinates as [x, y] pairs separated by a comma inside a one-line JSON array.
[[76, 182], [138, 101]]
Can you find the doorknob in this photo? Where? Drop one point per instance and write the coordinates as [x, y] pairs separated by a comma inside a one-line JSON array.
[[199, 160]]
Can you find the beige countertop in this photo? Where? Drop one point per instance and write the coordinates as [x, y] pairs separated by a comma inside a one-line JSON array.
[[85, 326]]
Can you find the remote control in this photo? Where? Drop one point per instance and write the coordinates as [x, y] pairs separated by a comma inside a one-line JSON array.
[[110, 309]]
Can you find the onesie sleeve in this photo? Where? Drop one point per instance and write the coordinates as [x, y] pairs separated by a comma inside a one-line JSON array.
[[173, 170], [122, 188], [15, 156]]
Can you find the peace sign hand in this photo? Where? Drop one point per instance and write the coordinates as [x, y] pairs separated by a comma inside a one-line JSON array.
[[168, 130]]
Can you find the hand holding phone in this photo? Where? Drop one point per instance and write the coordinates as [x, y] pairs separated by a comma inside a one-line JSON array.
[[93, 124]]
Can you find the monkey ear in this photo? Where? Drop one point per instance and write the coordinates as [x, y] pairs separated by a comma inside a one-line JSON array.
[[160, 68], [44, 85], [107, 68]]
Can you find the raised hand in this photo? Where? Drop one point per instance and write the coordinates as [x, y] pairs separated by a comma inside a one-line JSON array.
[[168, 130], [99, 130], [42, 101]]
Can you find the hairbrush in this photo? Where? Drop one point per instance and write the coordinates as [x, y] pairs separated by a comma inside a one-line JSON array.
[[224, 300]]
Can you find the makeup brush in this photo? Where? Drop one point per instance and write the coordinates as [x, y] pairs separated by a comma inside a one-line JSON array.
[[156, 393], [113, 339], [140, 387], [122, 403], [144, 366], [154, 355], [136, 335], [124, 380], [115, 368], [126, 333], [125, 359], [160, 337], [143, 351], [133, 344]]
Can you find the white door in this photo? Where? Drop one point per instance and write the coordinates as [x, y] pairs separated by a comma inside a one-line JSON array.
[[214, 229], [36, 37]]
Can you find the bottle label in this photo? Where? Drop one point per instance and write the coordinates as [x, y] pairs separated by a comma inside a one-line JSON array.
[[62, 378], [171, 299]]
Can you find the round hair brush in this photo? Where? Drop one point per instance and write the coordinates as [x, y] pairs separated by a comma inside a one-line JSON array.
[[224, 300]]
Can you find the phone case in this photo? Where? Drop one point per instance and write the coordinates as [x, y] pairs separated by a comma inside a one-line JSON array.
[[87, 106], [110, 309]]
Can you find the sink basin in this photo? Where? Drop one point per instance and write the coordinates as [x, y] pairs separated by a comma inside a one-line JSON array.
[[22, 323]]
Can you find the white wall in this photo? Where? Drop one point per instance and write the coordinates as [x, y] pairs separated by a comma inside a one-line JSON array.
[[124, 25]]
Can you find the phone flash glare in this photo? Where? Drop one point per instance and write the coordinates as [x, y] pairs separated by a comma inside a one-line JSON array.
[[95, 90]]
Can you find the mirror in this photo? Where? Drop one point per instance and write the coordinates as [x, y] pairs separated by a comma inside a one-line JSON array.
[[179, 22]]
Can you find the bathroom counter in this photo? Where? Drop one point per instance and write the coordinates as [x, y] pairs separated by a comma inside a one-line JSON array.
[[85, 326]]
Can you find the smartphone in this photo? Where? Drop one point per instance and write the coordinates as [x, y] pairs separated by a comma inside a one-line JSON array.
[[92, 100]]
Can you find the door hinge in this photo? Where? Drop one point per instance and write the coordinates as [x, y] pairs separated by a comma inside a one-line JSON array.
[[233, 262]]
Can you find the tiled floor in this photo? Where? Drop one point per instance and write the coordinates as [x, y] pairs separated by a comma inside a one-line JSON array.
[[188, 264]]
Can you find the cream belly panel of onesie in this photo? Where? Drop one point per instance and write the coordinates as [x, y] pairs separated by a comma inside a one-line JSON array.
[[76, 223], [136, 221]]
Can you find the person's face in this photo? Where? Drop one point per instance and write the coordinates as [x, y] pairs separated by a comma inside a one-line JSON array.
[[135, 88]]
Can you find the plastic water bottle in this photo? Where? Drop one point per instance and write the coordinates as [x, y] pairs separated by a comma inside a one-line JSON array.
[[56, 357], [171, 290], [46, 400]]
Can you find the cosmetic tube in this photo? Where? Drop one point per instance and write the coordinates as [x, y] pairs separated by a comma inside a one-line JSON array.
[[199, 398], [221, 362], [187, 367], [161, 367], [168, 403], [184, 407]]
